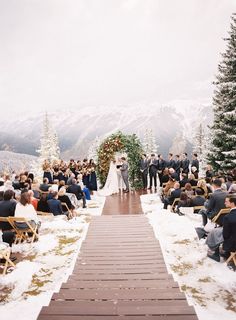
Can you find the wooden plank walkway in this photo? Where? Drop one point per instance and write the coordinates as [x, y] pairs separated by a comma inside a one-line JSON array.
[[120, 274], [123, 203]]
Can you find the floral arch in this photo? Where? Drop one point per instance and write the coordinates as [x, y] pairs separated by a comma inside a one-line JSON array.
[[119, 142]]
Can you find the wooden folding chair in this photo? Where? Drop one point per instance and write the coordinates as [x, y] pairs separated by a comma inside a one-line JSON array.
[[23, 234], [176, 201], [218, 219], [70, 215], [42, 213], [232, 257], [196, 209], [5, 252]]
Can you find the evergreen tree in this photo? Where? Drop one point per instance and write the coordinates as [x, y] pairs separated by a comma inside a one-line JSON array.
[[201, 144], [223, 151], [149, 142], [49, 148]]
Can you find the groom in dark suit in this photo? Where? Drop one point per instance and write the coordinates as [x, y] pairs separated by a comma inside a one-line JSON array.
[[144, 170], [124, 173]]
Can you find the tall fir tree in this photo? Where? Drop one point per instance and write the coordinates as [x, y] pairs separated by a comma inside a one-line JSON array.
[[49, 146], [201, 143], [223, 150], [149, 142]]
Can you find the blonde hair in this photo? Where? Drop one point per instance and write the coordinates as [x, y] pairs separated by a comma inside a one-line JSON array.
[[62, 191]]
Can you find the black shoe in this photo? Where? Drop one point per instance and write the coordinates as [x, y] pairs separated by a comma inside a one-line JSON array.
[[214, 256], [231, 266]]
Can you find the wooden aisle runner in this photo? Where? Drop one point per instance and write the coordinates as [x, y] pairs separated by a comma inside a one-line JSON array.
[[120, 274]]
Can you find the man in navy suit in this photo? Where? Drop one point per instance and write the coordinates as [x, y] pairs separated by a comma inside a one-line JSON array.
[[144, 170], [225, 234]]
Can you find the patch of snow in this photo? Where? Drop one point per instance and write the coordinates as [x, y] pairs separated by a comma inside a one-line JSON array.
[[209, 286]]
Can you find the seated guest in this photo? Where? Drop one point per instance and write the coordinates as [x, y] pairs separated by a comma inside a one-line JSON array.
[[225, 234], [7, 208], [209, 171], [55, 205], [83, 187], [188, 190], [203, 186], [26, 210], [192, 180], [44, 186], [229, 182], [64, 198], [232, 188], [199, 199], [76, 189], [165, 176], [215, 203], [33, 200], [170, 185], [173, 195], [61, 184], [184, 180], [2, 187], [16, 183], [43, 203], [54, 185], [183, 202]]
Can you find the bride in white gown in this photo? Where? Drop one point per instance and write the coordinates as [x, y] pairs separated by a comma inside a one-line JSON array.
[[111, 186]]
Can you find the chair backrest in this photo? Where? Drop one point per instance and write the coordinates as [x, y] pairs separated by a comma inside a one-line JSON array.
[[218, 219], [42, 213]]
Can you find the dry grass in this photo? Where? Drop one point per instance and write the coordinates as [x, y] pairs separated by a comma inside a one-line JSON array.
[[181, 268]]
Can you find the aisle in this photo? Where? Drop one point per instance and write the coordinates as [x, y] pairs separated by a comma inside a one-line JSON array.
[[120, 273]]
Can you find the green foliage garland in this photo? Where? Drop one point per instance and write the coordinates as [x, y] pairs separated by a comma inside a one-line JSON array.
[[118, 142]]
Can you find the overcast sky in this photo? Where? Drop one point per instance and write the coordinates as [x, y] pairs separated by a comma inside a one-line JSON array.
[[72, 53]]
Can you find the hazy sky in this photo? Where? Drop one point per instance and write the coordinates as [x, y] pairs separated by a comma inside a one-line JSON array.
[[68, 53]]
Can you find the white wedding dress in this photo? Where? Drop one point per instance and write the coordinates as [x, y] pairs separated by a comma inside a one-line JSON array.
[[111, 186]]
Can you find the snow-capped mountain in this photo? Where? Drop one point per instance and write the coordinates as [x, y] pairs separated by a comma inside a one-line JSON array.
[[19, 162], [77, 128]]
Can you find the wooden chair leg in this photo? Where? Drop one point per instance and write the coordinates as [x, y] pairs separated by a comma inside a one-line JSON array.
[[232, 257]]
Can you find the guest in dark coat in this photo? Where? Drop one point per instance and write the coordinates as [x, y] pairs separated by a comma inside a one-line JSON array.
[[229, 226], [215, 203], [45, 185], [64, 198], [43, 204], [173, 195], [199, 200], [7, 208], [76, 189], [55, 205]]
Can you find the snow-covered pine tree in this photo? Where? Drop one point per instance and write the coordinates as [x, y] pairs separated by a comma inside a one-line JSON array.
[[223, 151], [201, 142], [149, 142], [49, 148]]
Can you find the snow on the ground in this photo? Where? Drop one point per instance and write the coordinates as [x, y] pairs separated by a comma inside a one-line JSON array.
[[45, 264], [209, 286]]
